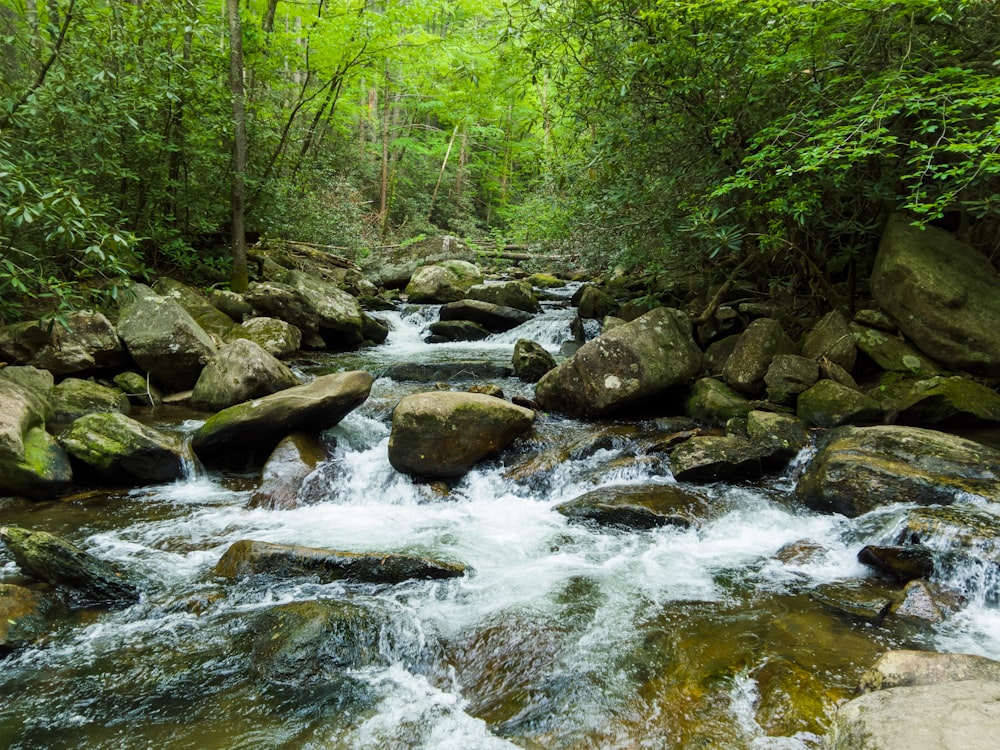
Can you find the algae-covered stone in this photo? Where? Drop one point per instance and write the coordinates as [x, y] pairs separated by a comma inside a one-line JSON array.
[[20, 410], [863, 599], [248, 557], [339, 314], [756, 348], [139, 390], [713, 402], [778, 437], [120, 448], [545, 281], [891, 353], [48, 558], [858, 469], [24, 615], [275, 336], [84, 341], [830, 404], [231, 303], [74, 398], [792, 700], [437, 284], [207, 315], [789, 375], [831, 338], [434, 372], [904, 562], [238, 372], [444, 433], [624, 366], [252, 429], [43, 472], [592, 302], [638, 506], [271, 299], [516, 294], [939, 400], [713, 458], [531, 360], [457, 330]]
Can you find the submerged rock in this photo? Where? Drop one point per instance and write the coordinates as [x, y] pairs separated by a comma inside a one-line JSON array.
[[48, 558], [445, 433], [638, 507], [23, 615], [294, 458], [791, 699], [863, 599], [249, 557], [909, 668], [251, 430], [858, 469]]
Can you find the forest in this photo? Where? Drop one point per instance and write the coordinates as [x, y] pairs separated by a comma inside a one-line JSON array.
[[769, 138]]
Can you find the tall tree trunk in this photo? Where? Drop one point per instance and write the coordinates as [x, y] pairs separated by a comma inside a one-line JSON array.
[[240, 277]]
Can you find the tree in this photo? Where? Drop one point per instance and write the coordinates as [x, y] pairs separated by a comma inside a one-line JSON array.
[[239, 279]]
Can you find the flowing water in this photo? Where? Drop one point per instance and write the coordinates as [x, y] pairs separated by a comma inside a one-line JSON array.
[[560, 635]]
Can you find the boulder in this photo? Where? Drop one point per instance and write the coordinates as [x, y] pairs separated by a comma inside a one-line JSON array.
[[32, 379], [272, 299], [164, 340], [942, 293], [444, 433], [251, 430], [938, 400], [138, 390], [87, 341], [20, 410], [494, 318], [73, 398], [831, 338], [516, 294], [48, 558], [294, 458], [712, 402], [712, 458], [43, 472], [232, 304], [904, 563], [207, 315], [393, 269], [858, 469], [22, 615], [638, 506], [373, 328], [275, 336], [875, 319], [718, 353], [545, 281], [906, 668], [746, 367], [891, 353], [437, 284], [121, 449], [830, 404], [862, 599], [238, 372], [247, 557], [594, 303], [926, 602], [789, 375], [961, 715], [339, 314], [624, 366], [457, 330], [434, 372], [531, 360], [777, 438]]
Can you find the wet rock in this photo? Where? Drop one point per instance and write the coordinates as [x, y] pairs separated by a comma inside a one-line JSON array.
[[271, 299], [516, 294], [163, 339], [777, 438], [594, 303], [294, 458], [121, 449], [623, 367], [789, 375], [800, 552], [911, 668], [712, 402], [545, 281], [858, 469], [757, 346], [458, 330], [904, 563], [248, 557], [74, 398], [43, 472], [251, 430], [951, 401], [638, 507], [531, 360], [23, 615], [277, 337], [829, 404], [792, 700], [373, 328], [718, 353], [138, 390], [21, 409], [494, 318], [435, 372], [87, 342], [439, 284], [207, 315], [32, 379], [714, 458], [232, 304], [957, 526], [48, 558], [926, 602], [339, 316], [942, 293], [891, 353], [238, 372], [961, 715], [863, 599], [831, 338], [487, 389], [443, 434]]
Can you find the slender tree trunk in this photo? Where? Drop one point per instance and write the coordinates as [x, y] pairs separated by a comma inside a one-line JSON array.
[[444, 163], [240, 277]]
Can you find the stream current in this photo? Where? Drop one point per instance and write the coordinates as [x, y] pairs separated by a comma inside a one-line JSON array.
[[560, 635]]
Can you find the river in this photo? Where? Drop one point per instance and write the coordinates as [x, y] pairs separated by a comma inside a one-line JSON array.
[[560, 636]]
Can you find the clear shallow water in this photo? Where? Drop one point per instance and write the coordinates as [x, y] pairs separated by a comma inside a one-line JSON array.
[[559, 636]]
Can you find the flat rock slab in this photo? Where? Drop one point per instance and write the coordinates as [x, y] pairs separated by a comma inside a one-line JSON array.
[[637, 507]]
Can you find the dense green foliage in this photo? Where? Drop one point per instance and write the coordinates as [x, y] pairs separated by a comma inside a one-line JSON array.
[[716, 132]]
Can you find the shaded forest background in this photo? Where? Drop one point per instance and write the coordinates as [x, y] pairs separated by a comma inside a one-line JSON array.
[[768, 137]]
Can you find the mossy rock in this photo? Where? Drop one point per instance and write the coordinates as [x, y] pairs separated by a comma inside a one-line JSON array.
[[830, 404], [713, 402], [74, 398], [638, 507], [943, 401], [43, 472]]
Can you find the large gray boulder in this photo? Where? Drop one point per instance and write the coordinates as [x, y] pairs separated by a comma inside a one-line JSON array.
[[339, 314], [445, 433], [891, 353], [495, 318], [624, 366], [858, 469], [164, 340], [905, 668], [21, 409], [831, 338], [962, 715], [531, 360], [213, 320], [121, 449], [238, 372], [757, 346], [271, 299], [517, 294], [943, 294], [42, 472], [711, 458], [88, 341], [251, 430], [444, 282], [275, 336], [645, 506]]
